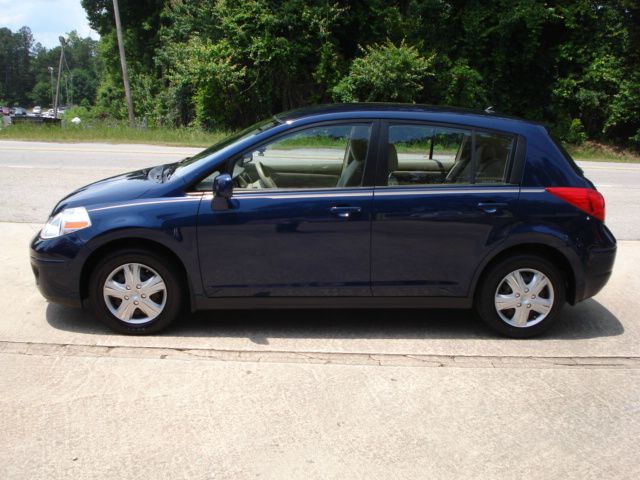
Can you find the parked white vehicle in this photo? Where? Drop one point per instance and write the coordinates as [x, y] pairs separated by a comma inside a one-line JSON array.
[[37, 110]]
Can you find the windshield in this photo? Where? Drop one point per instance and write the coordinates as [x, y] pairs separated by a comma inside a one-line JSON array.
[[189, 163]]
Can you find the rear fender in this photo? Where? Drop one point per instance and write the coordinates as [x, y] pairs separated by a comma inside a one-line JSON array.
[[538, 238]]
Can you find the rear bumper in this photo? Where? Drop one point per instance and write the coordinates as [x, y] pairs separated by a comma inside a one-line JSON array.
[[598, 268]]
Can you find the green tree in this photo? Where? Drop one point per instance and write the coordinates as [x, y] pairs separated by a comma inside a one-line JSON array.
[[264, 56], [80, 71], [385, 73], [572, 64], [16, 80]]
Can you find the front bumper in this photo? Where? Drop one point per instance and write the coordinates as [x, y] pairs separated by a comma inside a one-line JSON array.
[[56, 274]]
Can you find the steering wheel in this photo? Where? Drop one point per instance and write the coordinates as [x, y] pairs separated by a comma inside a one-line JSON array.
[[266, 179]]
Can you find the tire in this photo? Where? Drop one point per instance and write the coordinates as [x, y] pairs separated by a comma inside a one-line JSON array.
[[536, 304], [155, 310]]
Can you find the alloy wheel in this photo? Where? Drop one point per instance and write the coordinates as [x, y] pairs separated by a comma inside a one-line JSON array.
[[135, 293], [524, 298]]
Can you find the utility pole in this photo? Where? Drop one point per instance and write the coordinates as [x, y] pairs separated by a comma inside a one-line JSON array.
[[123, 62], [55, 103], [51, 74]]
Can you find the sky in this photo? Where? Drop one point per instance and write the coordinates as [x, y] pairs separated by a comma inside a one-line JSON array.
[[47, 19]]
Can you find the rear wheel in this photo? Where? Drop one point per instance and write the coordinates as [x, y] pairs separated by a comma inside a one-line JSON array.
[[136, 292], [521, 296]]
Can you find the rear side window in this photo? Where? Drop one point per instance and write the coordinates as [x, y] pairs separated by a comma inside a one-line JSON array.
[[432, 155], [493, 152]]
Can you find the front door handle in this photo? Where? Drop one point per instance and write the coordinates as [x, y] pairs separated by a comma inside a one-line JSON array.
[[345, 212], [492, 207]]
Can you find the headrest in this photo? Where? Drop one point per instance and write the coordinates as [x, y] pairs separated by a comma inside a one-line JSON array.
[[359, 149]]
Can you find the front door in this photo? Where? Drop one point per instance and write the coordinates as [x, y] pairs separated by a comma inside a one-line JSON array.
[[299, 220], [438, 209]]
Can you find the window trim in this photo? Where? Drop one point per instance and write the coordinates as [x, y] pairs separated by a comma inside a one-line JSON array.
[[368, 175], [515, 163], [518, 162]]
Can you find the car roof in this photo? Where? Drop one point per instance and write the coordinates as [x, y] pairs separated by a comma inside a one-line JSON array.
[[405, 111]]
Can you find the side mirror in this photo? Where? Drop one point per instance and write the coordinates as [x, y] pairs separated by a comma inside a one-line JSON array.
[[222, 191]]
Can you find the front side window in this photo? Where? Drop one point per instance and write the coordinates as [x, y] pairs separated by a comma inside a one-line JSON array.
[[432, 155], [319, 157]]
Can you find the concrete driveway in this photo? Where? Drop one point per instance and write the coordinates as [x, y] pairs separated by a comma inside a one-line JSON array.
[[313, 394]]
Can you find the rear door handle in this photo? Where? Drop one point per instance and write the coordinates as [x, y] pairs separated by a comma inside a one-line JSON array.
[[492, 207], [345, 212]]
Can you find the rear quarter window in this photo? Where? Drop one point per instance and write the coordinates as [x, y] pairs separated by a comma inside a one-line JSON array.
[[566, 156]]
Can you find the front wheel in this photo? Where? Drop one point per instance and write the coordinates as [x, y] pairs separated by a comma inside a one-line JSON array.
[[136, 292], [521, 296]]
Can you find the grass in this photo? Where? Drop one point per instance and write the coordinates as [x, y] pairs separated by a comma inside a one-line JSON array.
[[598, 152], [116, 133], [311, 142], [193, 137]]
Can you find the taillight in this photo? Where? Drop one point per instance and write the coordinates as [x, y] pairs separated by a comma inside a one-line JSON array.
[[586, 199]]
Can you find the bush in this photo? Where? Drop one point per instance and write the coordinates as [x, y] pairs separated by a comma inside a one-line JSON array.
[[83, 113], [386, 73], [465, 87], [216, 79], [576, 133]]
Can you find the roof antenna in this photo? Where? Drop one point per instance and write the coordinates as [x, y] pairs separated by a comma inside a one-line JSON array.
[[490, 109]]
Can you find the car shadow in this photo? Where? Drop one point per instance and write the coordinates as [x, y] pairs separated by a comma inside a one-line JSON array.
[[589, 319]]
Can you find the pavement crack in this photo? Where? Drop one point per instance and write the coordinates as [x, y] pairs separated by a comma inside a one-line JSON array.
[[324, 358]]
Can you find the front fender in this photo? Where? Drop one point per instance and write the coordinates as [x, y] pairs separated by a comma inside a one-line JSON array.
[[170, 224]]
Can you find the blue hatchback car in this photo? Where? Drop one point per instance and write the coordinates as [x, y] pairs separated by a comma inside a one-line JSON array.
[[356, 205]]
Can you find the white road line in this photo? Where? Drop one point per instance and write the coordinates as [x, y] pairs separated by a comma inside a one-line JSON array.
[[104, 152], [586, 168], [72, 167]]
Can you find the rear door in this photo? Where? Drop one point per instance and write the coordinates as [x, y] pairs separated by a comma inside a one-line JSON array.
[[442, 201]]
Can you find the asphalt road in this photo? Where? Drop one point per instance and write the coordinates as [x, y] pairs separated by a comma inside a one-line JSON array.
[[36, 175], [313, 394]]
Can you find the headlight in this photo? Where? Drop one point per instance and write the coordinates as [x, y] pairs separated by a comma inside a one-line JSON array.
[[67, 221]]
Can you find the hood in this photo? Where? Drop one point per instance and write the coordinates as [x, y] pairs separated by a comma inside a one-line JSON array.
[[128, 186]]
